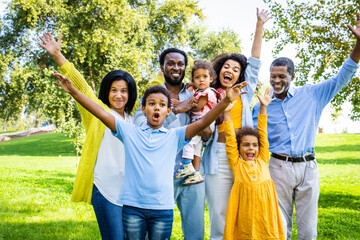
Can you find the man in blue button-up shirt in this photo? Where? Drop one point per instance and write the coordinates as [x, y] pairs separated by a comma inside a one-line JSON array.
[[293, 119]]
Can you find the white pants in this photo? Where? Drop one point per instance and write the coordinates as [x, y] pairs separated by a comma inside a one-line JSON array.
[[217, 189], [299, 183], [194, 147]]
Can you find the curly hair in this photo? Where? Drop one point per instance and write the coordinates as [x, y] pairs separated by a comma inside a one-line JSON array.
[[156, 89], [201, 64], [219, 62], [245, 131], [118, 75]]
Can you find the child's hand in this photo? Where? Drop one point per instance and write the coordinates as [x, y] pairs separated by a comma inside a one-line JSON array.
[[50, 45], [267, 98], [227, 115], [229, 107], [262, 16], [235, 91], [65, 83]]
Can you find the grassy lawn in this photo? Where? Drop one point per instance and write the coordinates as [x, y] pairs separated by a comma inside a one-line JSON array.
[[37, 175]]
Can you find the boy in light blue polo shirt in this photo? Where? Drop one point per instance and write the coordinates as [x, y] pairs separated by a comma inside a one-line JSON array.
[[150, 150]]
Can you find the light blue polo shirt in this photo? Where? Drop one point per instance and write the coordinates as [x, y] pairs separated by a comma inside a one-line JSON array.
[[149, 163]]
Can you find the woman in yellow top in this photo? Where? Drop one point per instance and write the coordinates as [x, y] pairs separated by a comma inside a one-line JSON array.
[[252, 211], [230, 69], [101, 168]]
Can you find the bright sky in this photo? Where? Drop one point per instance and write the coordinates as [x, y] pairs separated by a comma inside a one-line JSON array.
[[240, 15]]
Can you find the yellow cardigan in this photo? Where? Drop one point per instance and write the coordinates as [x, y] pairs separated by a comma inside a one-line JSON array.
[[94, 128]]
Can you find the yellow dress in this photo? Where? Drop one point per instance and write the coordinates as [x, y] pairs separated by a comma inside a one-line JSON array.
[[252, 211]]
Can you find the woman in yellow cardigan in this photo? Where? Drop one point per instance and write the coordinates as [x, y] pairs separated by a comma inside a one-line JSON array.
[[101, 169]]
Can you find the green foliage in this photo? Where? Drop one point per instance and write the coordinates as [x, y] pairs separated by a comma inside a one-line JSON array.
[[208, 44], [318, 31], [98, 37]]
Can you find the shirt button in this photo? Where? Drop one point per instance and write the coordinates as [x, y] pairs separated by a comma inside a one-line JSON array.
[[254, 176], [251, 165]]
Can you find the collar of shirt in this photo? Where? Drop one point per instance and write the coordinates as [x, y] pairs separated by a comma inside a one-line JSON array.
[[146, 127]]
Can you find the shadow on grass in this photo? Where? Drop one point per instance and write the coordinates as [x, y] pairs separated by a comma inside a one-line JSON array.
[[355, 147], [49, 144], [339, 200], [50, 230], [338, 161]]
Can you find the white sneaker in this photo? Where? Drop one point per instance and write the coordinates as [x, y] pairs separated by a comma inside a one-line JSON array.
[[184, 171], [193, 179]]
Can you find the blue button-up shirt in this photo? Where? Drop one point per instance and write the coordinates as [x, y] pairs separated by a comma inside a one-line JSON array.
[[292, 122]]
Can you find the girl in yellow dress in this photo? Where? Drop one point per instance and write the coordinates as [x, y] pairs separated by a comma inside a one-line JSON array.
[[252, 211]]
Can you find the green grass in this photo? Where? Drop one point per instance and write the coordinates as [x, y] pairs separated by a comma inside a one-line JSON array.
[[37, 175]]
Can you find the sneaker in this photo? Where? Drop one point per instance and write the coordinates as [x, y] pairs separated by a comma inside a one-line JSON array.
[[193, 179], [184, 171]]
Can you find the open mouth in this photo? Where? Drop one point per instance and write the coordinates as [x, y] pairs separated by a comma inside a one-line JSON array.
[[156, 116], [250, 156], [227, 78]]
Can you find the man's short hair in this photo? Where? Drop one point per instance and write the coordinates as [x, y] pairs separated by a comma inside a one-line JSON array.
[[171, 50], [284, 61]]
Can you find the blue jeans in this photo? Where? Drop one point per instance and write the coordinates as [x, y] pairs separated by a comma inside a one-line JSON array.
[[191, 203], [138, 221], [108, 216]]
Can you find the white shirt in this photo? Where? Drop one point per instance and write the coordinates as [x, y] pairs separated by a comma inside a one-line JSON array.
[[109, 169]]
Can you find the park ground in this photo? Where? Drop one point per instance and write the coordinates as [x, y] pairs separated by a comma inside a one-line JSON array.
[[37, 175]]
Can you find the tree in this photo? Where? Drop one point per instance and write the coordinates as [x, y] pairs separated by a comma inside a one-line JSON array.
[[318, 31], [98, 36]]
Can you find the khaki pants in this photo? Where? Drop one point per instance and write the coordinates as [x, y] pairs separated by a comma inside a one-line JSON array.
[[297, 183]]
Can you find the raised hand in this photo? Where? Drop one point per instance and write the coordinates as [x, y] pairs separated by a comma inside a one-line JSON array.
[[262, 16], [64, 82], [50, 44], [267, 98], [235, 91], [356, 31]]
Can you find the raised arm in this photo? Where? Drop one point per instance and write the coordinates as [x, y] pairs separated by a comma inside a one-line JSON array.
[[231, 94], [355, 54], [262, 124], [66, 84], [262, 17]]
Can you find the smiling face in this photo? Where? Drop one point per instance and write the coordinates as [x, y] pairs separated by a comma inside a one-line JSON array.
[[174, 68], [280, 80], [118, 96], [249, 148], [156, 109], [229, 74], [201, 78]]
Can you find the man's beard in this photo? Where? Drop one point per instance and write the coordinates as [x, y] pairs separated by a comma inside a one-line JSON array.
[[282, 89], [174, 82]]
